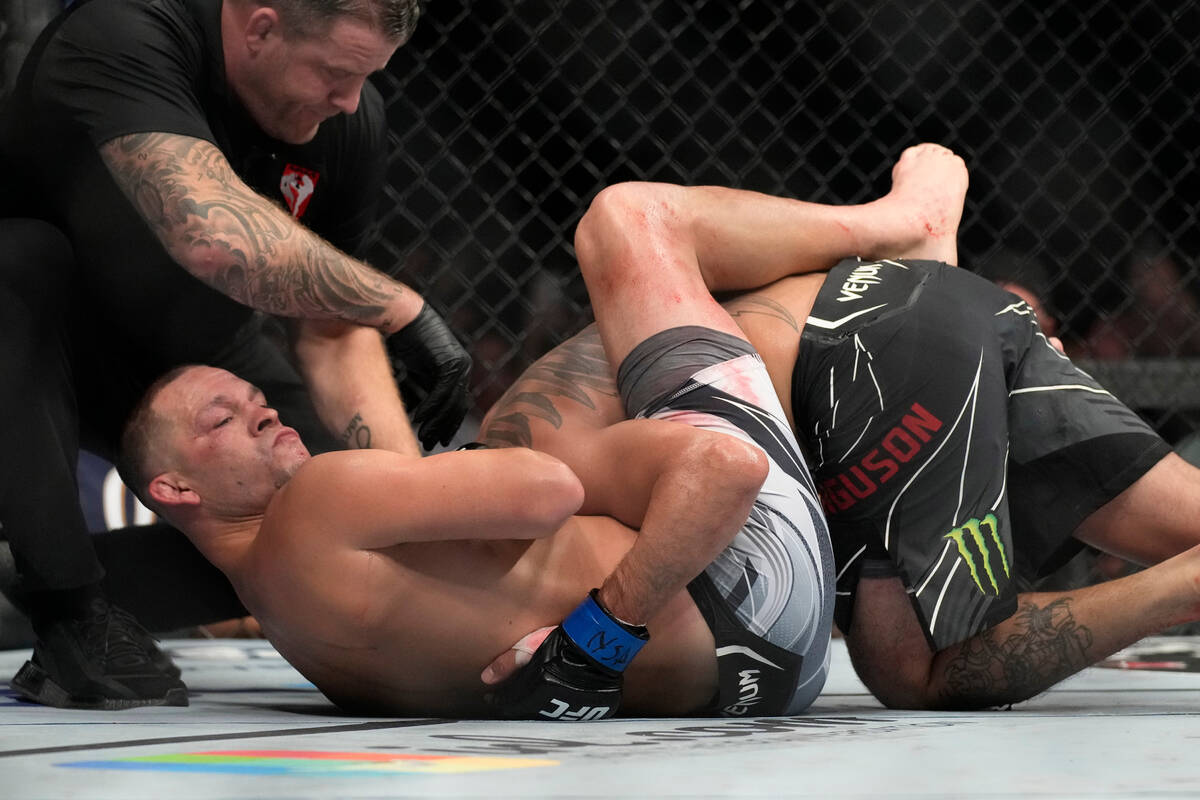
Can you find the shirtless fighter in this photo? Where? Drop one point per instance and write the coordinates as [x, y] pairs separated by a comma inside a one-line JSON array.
[[389, 580], [332, 553], [958, 454]]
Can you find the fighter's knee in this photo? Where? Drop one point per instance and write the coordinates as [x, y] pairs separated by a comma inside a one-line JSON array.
[[728, 465], [620, 213]]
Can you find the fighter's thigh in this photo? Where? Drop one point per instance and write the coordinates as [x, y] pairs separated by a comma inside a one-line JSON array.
[[1154, 519], [886, 642]]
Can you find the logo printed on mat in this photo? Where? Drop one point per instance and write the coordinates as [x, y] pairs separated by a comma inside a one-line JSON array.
[[312, 763]]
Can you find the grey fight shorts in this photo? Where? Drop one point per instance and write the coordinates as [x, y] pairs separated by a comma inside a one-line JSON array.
[[768, 598]]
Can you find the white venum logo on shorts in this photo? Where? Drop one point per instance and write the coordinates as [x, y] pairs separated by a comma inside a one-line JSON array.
[[859, 281]]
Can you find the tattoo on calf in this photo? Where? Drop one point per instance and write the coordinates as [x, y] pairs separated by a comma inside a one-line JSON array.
[[576, 370], [191, 198], [996, 669]]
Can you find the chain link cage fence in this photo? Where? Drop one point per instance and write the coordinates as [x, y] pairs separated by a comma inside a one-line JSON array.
[[1078, 121]]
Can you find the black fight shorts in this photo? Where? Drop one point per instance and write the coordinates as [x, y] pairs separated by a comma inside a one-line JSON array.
[[951, 443]]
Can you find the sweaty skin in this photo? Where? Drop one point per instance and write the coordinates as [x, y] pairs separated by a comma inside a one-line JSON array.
[[390, 581]]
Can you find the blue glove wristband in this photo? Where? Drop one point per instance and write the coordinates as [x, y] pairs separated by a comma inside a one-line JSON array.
[[610, 643]]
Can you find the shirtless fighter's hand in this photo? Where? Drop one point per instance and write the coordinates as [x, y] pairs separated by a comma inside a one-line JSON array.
[[575, 673]]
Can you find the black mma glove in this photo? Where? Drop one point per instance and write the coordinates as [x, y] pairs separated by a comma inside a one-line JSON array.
[[432, 368], [576, 673]]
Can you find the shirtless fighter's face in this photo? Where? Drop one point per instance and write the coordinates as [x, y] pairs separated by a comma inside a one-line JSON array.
[[227, 447]]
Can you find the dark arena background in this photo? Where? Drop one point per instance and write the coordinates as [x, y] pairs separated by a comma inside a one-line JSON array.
[[1078, 122]]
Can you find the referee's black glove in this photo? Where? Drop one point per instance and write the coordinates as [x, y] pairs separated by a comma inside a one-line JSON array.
[[432, 369]]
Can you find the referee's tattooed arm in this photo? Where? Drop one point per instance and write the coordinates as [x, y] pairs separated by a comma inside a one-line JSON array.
[[242, 244]]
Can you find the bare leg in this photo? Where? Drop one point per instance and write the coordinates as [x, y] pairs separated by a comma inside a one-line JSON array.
[[745, 243], [650, 252], [640, 264], [1052, 636]]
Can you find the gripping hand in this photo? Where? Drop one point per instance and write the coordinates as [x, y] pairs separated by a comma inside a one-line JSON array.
[[576, 674], [432, 368]]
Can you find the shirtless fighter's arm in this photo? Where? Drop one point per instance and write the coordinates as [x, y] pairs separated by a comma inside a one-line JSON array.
[[353, 388], [377, 498]]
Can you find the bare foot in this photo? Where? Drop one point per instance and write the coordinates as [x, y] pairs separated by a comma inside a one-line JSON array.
[[925, 205]]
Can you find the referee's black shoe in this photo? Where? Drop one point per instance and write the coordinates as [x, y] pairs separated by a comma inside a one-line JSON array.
[[104, 661]]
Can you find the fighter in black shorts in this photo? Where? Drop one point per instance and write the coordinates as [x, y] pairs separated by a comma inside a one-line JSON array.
[[954, 445], [959, 456]]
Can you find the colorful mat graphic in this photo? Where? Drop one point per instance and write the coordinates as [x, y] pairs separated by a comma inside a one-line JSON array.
[[311, 763]]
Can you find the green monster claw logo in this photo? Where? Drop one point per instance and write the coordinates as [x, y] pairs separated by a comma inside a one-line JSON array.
[[984, 533]]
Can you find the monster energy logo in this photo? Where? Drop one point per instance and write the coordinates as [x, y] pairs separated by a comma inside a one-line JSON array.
[[984, 533]]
